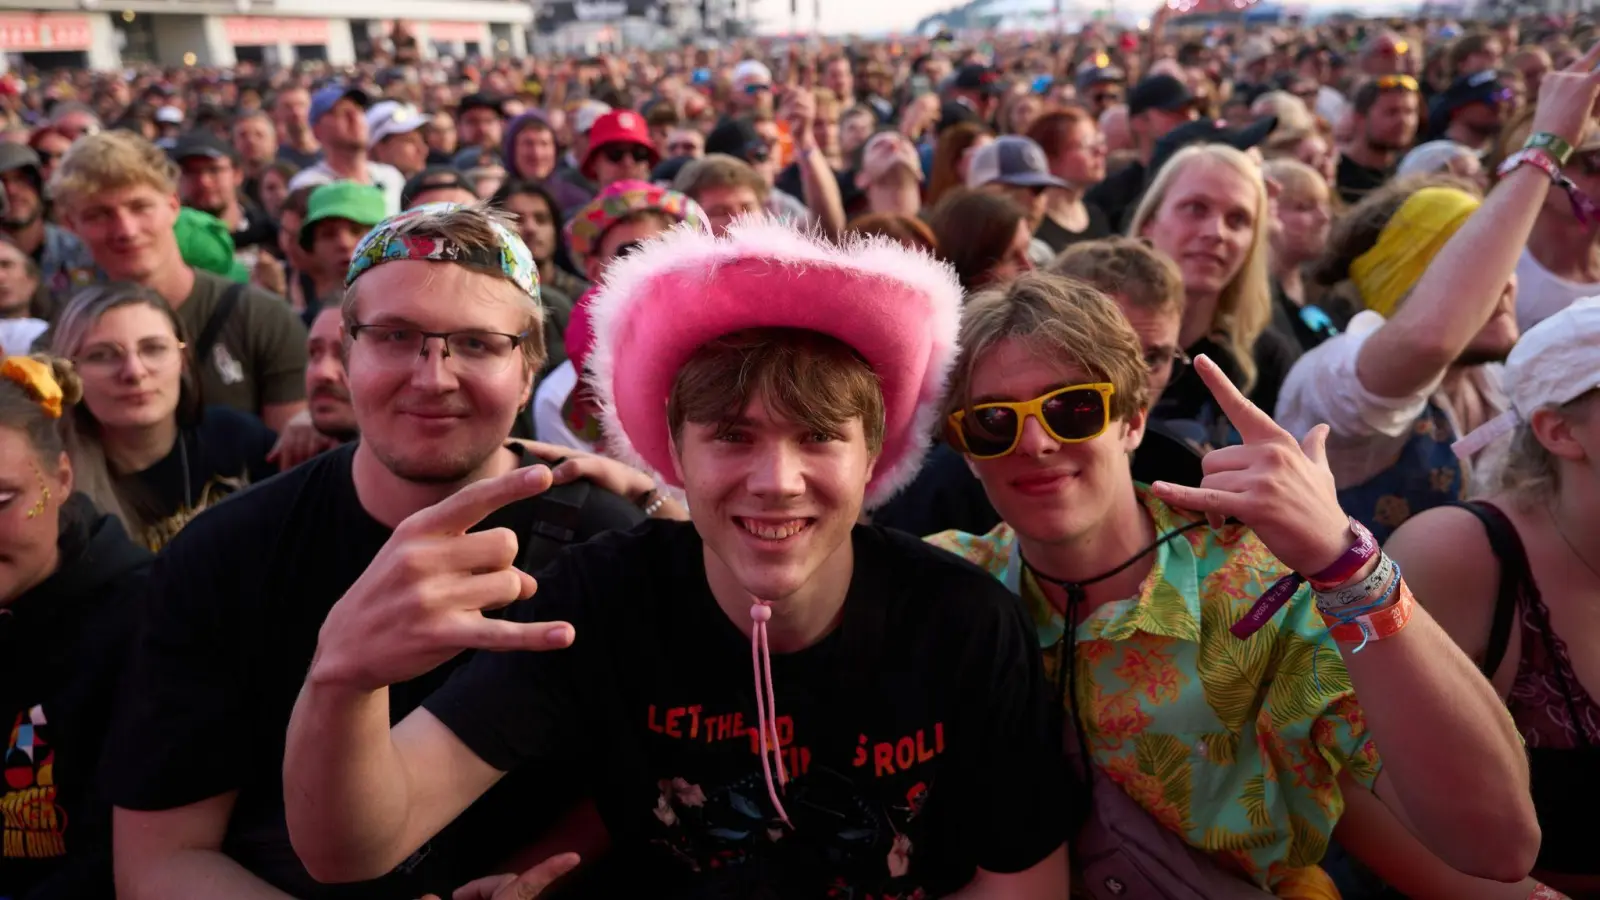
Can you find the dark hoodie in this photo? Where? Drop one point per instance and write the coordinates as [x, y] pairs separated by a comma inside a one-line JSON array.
[[62, 646], [569, 192]]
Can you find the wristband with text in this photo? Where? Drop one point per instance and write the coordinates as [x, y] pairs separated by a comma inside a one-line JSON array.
[[1554, 144], [1377, 625]]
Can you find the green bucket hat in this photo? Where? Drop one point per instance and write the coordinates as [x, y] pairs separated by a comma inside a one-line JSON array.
[[362, 204], [206, 243]]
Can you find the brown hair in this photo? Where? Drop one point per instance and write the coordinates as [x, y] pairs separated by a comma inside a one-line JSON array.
[[945, 174], [908, 230], [20, 412], [718, 170], [1061, 318], [298, 201], [804, 376], [111, 160], [1052, 130], [974, 230], [1468, 44], [1128, 268]]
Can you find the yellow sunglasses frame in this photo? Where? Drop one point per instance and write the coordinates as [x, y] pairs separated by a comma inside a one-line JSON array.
[[1034, 408]]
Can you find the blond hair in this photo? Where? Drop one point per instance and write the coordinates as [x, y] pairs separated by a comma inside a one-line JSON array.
[[1062, 319], [1245, 307], [1292, 113], [1125, 267], [1529, 472], [109, 161], [718, 170], [1295, 177], [472, 228]]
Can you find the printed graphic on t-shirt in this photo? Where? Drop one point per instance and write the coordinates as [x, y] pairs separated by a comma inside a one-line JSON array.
[[34, 827], [863, 820], [157, 534]]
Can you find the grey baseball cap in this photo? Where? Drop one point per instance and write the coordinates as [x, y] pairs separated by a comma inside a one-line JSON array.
[[1011, 160]]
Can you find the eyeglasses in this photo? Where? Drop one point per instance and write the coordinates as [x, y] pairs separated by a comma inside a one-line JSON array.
[[619, 152], [757, 152], [1162, 359], [470, 352], [109, 359], [1071, 415], [1105, 98], [1390, 82]]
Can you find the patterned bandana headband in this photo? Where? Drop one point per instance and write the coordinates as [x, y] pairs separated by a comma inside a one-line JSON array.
[[392, 240]]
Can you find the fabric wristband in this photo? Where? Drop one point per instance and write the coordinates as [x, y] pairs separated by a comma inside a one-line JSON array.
[[1343, 569], [1351, 562], [1377, 625], [1371, 586]]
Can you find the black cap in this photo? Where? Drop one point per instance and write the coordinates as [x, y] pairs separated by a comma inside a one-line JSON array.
[[201, 142], [433, 178], [667, 170], [1481, 87], [976, 77], [1159, 92], [1209, 131], [738, 139], [954, 112], [482, 101]]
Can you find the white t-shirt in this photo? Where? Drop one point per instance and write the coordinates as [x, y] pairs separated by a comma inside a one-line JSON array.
[[1541, 295], [548, 423], [17, 335], [383, 175]]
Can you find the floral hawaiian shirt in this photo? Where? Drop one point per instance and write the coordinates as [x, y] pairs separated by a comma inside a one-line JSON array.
[[1234, 744]]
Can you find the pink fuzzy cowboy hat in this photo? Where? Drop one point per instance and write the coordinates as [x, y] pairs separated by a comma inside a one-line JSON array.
[[899, 308]]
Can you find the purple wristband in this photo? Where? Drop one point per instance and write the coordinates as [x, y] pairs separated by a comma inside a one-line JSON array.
[[1343, 569]]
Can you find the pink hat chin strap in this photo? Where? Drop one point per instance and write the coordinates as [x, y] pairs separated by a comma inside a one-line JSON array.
[[767, 705]]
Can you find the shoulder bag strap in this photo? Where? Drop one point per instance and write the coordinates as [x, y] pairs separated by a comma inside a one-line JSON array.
[[219, 317]]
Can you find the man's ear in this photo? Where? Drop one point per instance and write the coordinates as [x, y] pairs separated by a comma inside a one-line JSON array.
[[1133, 430]]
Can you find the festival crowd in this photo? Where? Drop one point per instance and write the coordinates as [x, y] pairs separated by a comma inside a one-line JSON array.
[[1157, 464]]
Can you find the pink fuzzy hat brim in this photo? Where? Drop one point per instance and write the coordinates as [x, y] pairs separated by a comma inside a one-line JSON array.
[[899, 308]]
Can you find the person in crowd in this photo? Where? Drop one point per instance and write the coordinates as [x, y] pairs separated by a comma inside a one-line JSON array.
[[1475, 52], [1072, 143], [1532, 62], [856, 124], [1444, 158], [1509, 576], [338, 216], [952, 157], [978, 88], [820, 202], [272, 188], [685, 142], [480, 121], [1100, 85], [890, 175], [442, 137], [120, 194], [750, 92], [1047, 401], [255, 145], [1016, 167], [19, 284], [824, 128], [70, 583], [985, 237], [909, 231], [65, 264], [1435, 269], [612, 227], [1384, 116], [1290, 111], [50, 144], [439, 184], [338, 117], [1118, 134], [539, 224], [1207, 210], [300, 288], [619, 149], [210, 181], [1313, 148], [297, 141], [1156, 105], [327, 385], [725, 188], [1561, 261], [394, 137], [531, 154], [1018, 112], [1298, 235], [1473, 111], [765, 419], [199, 803], [144, 447]]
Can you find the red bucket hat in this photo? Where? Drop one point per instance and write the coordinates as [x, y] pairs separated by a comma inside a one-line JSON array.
[[622, 126]]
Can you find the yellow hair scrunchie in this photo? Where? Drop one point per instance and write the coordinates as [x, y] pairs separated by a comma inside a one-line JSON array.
[[36, 379], [1408, 244]]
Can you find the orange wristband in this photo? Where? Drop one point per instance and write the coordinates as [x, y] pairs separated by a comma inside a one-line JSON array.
[[1376, 625]]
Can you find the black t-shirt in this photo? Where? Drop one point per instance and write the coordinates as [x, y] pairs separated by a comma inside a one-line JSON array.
[[259, 230], [219, 455], [1307, 325], [1354, 181], [1119, 194], [790, 183], [235, 604], [1059, 238], [920, 735], [1187, 406]]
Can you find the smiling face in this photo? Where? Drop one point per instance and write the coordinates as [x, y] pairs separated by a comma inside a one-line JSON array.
[[1048, 491], [1206, 223], [426, 418], [30, 521], [128, 230]]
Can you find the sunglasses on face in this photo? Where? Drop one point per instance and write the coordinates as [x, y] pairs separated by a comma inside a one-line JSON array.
[[1105, 98], [756, 88], [618, 153], [757, 152], [1070, 415]]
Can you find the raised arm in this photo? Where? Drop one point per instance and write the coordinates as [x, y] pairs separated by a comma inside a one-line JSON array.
[[1462, 286], [817, 183], [359, 798]]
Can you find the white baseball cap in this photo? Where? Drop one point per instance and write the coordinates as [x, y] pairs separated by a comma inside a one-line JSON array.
[[753, 71], [390, 118], [589, 112], [1555, 362], [169, 115]]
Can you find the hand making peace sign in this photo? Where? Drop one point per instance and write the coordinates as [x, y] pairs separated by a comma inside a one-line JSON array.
[[421, 601], [1279, 487]]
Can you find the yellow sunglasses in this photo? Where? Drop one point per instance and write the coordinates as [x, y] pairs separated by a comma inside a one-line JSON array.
[[1071, 415]]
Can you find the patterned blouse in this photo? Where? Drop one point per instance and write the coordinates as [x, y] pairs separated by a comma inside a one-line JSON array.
[[1236, 745]]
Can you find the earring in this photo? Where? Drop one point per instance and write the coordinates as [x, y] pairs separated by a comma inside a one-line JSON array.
[[44, 497]]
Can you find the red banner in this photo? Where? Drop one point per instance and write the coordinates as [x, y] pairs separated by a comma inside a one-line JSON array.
[[258, 31], [32, 32]]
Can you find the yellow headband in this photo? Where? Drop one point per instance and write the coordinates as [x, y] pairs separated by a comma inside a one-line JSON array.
[[36, 380], [1416, 234]]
